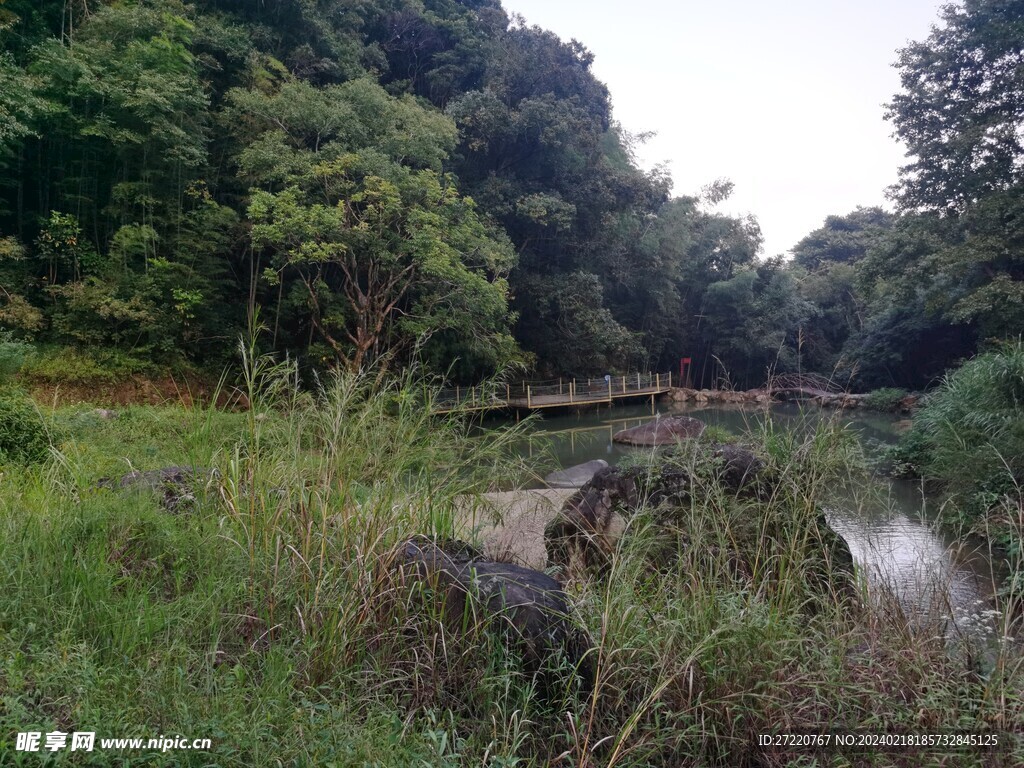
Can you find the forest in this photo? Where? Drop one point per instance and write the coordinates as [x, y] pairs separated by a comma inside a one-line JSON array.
[[385, 182]]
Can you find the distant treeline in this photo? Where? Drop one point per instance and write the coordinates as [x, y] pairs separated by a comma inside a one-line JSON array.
[[389, 180]]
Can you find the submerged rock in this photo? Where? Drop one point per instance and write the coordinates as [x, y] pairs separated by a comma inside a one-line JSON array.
[[528, 605], [574, 477], [664, 431]]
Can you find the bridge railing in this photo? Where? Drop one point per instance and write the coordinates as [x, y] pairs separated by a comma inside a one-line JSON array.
[[550, 391]]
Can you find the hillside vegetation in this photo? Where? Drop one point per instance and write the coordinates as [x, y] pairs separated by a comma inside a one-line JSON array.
[[394, 180]]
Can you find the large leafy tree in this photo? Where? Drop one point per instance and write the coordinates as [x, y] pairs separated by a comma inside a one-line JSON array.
[[961, 107], [539, 152], [951, 271], [370, 245], [846, 239]]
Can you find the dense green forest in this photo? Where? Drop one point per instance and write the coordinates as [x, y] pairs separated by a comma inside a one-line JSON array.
[[398, 180]]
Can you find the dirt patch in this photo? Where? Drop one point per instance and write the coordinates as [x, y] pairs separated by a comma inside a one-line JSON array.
[[138, 390]]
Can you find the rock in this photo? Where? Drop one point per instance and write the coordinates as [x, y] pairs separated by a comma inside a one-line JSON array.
[[529, 606], [177, 485], [908, 403], [574, 477], [586, 528], [740, 466], [509, 525], [591, 522], [663, 431], [103, 413]]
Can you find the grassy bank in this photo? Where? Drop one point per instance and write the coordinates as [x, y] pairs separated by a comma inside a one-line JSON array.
[[968, 442], [263, 614]]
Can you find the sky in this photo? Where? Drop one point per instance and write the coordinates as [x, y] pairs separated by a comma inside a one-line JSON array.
[[785, 99]]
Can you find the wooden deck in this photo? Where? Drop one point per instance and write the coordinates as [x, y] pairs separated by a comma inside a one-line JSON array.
[[554, 393]]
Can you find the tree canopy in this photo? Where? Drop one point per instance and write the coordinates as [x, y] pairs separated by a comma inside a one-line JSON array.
[[389, 180]]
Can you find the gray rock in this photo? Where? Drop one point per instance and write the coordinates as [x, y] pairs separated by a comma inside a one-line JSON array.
[[528, 605], [740, 467], [574, 477], [664, 431], [582, 531]]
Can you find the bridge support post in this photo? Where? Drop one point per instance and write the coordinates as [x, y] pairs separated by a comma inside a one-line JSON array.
[[528, 397]]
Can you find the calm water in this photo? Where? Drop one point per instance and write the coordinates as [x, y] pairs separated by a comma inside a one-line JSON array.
[[888, 525]]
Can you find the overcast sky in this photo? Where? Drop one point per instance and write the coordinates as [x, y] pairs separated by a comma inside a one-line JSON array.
[[783, 98]]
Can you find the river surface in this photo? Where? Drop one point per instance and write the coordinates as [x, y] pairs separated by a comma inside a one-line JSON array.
[[888, 525]]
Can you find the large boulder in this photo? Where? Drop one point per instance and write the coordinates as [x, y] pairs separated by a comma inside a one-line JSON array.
[[666, 430], [527, 605], [586, 527], [574, 477], [509, 525], [738, 467]]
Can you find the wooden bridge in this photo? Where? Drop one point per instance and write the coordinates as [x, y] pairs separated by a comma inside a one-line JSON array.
[[554, 393]]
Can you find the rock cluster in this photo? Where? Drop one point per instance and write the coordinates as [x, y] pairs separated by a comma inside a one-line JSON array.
[[683, 395], [590, 522], [764, 396], [846, 400]]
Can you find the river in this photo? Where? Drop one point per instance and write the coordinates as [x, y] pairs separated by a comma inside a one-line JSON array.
[[889, 525]]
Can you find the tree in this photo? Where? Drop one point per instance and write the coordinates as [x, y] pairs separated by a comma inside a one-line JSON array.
[[844, 239], [374, 249], [950, 271], [960, 110], [387, 264]]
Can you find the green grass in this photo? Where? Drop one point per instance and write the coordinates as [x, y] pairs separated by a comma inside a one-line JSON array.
[[266, 617], [886, 399], [968, 440], [68, 365]]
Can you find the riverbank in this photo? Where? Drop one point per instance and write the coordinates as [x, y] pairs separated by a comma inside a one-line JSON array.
[[902, 403]]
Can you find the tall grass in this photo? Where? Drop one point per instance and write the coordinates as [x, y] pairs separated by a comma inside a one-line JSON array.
[[968, 438], [270, 618]]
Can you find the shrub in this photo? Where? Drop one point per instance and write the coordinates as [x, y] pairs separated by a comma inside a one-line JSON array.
[[885, 399], [24, 437], [70, 366], [973, 425], [12, 355]]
